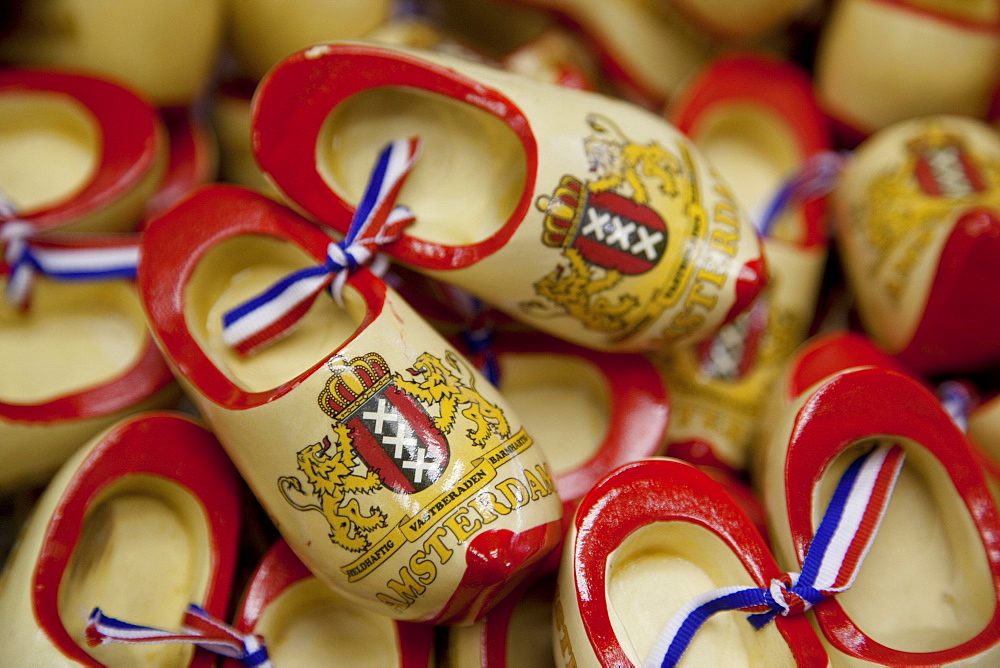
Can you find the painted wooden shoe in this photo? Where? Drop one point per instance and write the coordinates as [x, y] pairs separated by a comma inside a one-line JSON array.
[[570, 235], [193, 158], [79, 359], [646, 49], [555, 56], [303, 622], [415, 467], [928, 591], [517, 632], [262, 32], [755, 119], [942, 59], [644, 541], [918, 213], [142, 521], [163, 49], [77, 153]]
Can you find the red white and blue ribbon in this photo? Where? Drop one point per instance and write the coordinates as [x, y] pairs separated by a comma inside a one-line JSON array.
[[817, 177], [199, 629], [478, 333], [377, 221], [27, 254], [830, 566], [957, 399]]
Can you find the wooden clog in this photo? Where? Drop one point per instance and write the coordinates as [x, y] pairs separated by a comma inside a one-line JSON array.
[[141, 521], [193, 158], [396, 473], [598, 223]]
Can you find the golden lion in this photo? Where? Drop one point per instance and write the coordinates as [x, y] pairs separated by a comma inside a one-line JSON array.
[[332, 478], [444, 389], [617, 161]]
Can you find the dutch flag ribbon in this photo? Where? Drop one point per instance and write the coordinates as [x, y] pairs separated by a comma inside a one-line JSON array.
[[28, 254], [830, 566], [815, 178], [199, 628], [377, 221], [478, 332]]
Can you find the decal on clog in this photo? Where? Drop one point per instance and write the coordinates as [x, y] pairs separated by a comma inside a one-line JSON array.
[[905, 207], [630, 238]]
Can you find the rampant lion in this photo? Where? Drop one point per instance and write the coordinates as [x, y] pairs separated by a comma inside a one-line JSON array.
[[332, 478], [617, 161], [443, 388], [572, 290]]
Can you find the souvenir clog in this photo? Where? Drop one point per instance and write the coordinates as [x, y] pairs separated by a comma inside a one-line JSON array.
[[141, 521], [395, 472], [193, 158], [262, 32], [755, 119], [163, 49], [517, 632], [79, 359], [918, 218], [883, 61], [303, 622], [646, 540], [600, 224], [646, 49], [77, 153], [928, 592], [556, 56]]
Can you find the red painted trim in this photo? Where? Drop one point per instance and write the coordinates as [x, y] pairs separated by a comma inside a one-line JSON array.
[[295, 98], [157, 444], [852, 406], [828, 354], [192, 158], [780, 88], [665, 490], [174, 244], [127, 132], [146, 376]]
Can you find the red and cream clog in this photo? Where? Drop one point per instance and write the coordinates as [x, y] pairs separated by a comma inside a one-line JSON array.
[[583, 216], [645, 541], [141, 522], [395, 472]]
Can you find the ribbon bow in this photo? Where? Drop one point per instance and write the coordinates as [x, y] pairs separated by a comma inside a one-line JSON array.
[[273, 313], [817, 177], [830, 566], [199, 628], [26, 254]]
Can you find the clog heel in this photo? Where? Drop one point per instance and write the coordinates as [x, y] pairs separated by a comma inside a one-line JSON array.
[[395, 472], [77, 153], [928, 590], [142, 521], [303, 622], [755, 118], [918, 215], [941, 60], [78, 359], [600, 224], [645, 541]]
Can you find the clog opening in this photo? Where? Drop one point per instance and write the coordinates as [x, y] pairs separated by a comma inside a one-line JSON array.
[[754, 151], [563, 401], [529, 635], [143, 555], [925, 584], [658, 569], [469, 176], [239, 269], [49, 149], [310, 625], [74, 336]]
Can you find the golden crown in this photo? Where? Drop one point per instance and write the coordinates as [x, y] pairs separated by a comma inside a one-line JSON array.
[[353, 382]]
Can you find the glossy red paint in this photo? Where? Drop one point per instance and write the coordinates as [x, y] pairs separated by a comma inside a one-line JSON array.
[[192, 158], [164, 445]]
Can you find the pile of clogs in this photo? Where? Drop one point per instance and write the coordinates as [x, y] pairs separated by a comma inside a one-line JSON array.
[[499, 332]]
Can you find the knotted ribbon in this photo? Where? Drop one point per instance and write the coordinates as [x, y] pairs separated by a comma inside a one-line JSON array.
[[817, 177], [27, 254], [274, 313], [830, 566], [199, 628]]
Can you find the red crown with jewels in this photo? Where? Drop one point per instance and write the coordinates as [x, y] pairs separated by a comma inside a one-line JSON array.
[[562, 212], [353, 383]]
